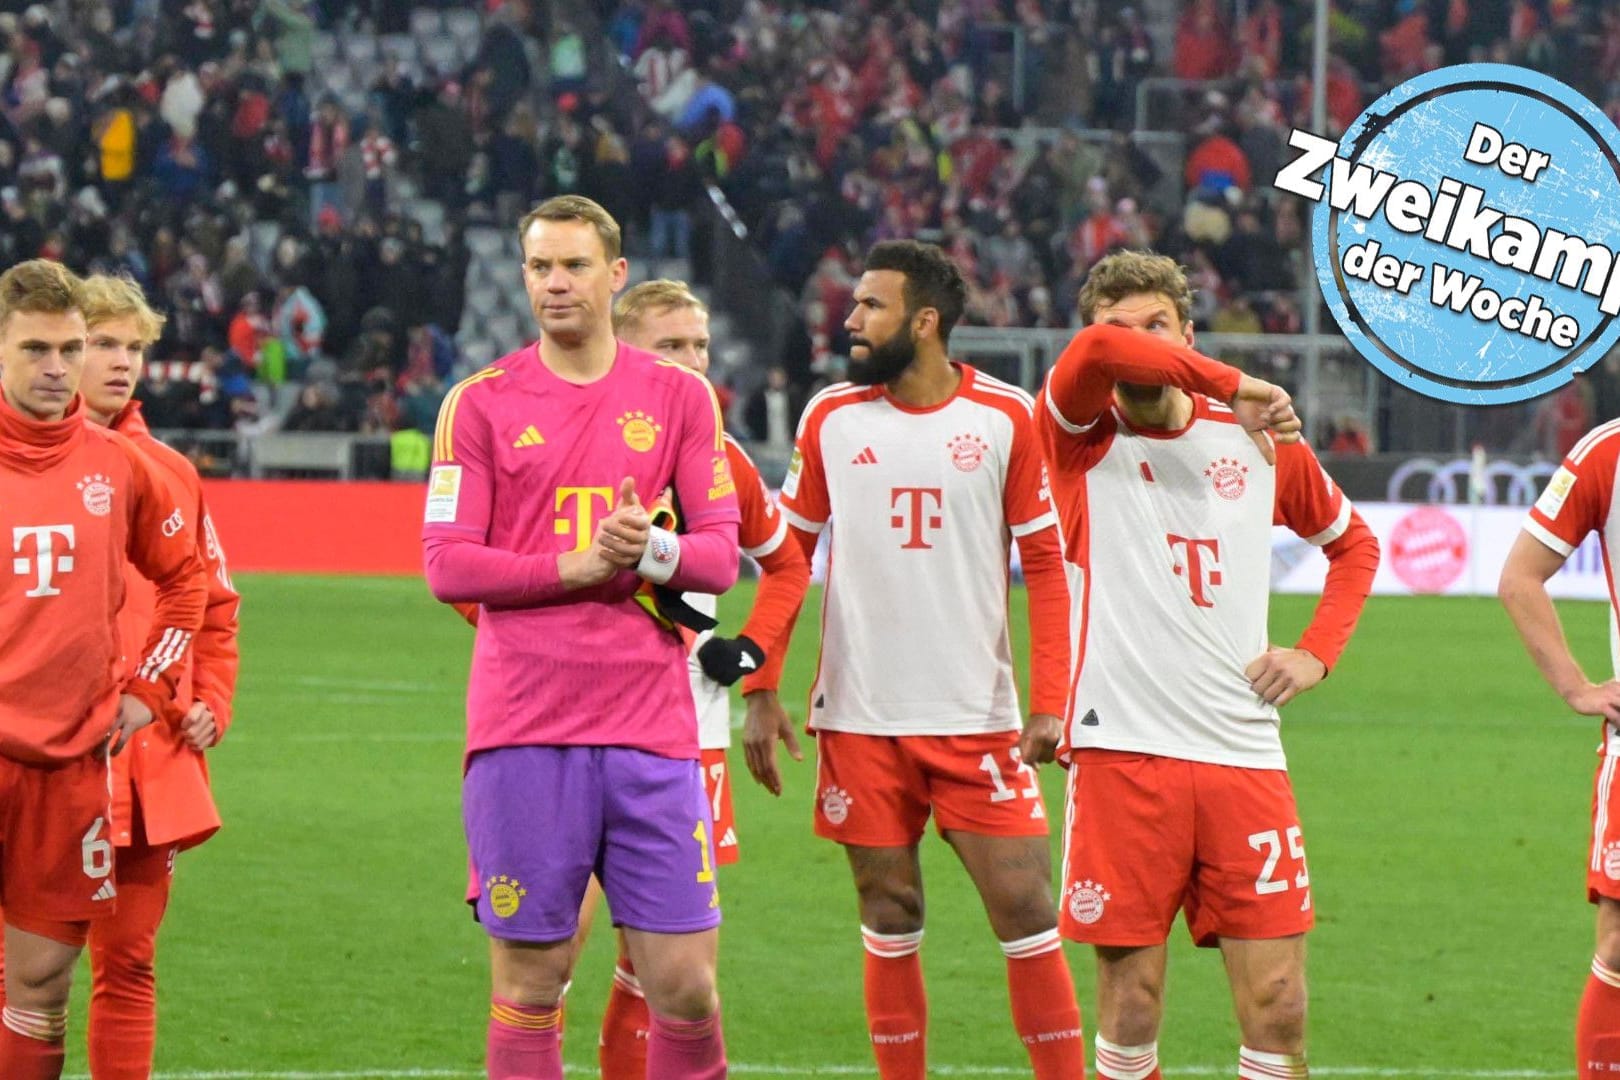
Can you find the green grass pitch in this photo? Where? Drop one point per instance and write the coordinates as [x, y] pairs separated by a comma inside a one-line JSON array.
[[1444, 792]]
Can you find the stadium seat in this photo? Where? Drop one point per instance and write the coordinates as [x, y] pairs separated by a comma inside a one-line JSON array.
[[505, 332], [486, 243], [359, 47], [479, 353], [442, 53], [483, 301], [323, 49], [400, 45], [426, 23], [303, 453], [464, 25]]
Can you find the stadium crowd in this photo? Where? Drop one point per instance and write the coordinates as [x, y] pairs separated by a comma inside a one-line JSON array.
[[151, 139]]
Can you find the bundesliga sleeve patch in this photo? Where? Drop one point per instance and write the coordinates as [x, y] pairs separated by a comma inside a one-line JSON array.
[[444, 494], [790, 485], [1558, 489]]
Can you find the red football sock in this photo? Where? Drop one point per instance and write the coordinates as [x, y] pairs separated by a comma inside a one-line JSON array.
[[123, 950], [622, 1052], [896, 1004], [1045, 1011], [1116, 1062], [524, 1041], [1597, 1025], [1264, 1065], [32, 1044], [686, 1049]]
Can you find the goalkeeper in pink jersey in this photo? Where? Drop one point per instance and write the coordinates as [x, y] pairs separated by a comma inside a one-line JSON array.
[[582, 748]]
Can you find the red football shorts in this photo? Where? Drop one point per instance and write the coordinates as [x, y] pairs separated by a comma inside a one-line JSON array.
[[877, 790], [717, 782], [56, 851], [1146, 836], [1603, 868]]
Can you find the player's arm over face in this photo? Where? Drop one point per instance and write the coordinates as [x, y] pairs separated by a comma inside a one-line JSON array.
[[163, 546], [1080, 387]]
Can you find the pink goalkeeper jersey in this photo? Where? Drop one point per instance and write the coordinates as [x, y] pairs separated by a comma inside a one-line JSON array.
[[525, 465]]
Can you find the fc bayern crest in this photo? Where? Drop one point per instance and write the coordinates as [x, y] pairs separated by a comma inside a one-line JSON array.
[[98, 494], [967, 451], [1611, 860], [835, 805], [1228, 476], [1086, 901]]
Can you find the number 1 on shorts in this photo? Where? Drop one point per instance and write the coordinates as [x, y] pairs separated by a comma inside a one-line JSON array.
[[701, 835]]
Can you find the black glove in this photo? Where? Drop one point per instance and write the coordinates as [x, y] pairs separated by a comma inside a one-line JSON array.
[[725, 660]]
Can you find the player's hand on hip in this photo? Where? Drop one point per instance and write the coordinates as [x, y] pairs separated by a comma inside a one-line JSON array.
[[1263, 407], [132, 716], [767, 722], [1037, 745], [1597, 699], [200, 727], [1279, 675]]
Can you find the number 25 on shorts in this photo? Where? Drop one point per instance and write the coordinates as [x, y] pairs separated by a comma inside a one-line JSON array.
[[1270, 842]]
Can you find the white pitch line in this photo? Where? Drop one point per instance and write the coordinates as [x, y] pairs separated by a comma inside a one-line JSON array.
[[740, 1069]]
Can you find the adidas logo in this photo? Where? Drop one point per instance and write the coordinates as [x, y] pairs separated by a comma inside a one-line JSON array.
[[865, 457], [106, 892], [729, 839], [746, 662], [530, 437]]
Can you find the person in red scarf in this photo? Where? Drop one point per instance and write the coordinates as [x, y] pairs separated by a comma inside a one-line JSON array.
[[76, 502], [161, 803]]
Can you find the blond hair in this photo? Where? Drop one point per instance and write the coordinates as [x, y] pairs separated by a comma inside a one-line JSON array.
[[105, 297], [576, 208], [39, 285], [1126, 273], [659, 294]]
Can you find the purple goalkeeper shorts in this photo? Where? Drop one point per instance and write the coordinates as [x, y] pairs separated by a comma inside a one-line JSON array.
[[542, 819]]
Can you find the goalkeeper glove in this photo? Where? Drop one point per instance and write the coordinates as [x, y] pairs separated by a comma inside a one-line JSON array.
[[725, 660]]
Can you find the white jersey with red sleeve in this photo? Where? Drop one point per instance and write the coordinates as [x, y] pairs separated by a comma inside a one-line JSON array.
[[1579, 499], [762, 530], [924, 504], [1169, 537]]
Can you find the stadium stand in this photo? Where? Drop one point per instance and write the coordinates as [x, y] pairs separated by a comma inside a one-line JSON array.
[[322, 194]]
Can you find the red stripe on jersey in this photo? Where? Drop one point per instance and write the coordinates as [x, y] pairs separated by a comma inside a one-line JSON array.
[[1147, 473]]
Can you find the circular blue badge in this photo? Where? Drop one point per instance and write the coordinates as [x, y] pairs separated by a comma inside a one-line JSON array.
[[1466, 240]]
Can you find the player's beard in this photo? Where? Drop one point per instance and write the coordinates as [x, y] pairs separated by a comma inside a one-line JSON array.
[[884, 363]]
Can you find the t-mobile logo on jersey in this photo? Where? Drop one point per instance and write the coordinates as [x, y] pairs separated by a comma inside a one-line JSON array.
[[1199, 562], [44, 562], [581, 520], [913, 514]]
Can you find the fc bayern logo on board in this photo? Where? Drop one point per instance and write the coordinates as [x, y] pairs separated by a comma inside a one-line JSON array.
[[835, 804], [967, 452], [98, 494], [1087, 901], [1227, 474]]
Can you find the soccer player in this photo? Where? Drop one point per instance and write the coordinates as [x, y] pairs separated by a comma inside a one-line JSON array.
[[582, 749], [928, 470], [1167, 484], [1578, 500], [665, 318], [75, 502], [162, 804]]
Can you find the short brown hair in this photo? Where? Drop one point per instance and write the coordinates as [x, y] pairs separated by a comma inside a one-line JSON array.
[[39, 285], [932, 280], [105, 297], [659, 294], [1125, 273], [575, 208]]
